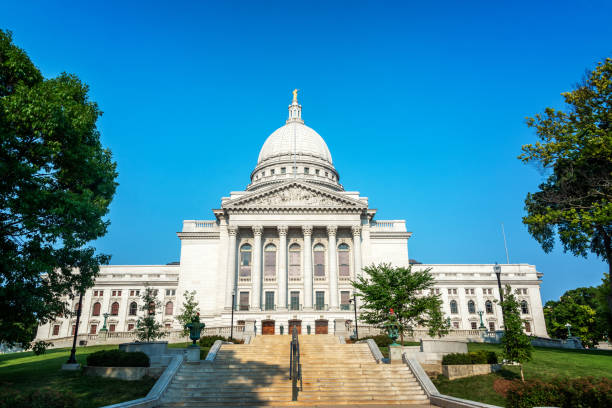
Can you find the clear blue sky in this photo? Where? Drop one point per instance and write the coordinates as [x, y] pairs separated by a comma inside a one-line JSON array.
[[422, 105]]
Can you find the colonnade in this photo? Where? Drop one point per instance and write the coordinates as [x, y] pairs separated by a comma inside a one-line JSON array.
[[282, 269]]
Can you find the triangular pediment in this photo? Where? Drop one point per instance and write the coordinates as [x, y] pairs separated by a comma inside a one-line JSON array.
[[294, 194]]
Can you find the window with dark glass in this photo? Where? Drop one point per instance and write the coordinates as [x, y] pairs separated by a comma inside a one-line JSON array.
[[244, 300], [474, 326], [345, 296], [295, 258], [56, 329], [115, 309], [133, 309], [492, 326], [489, 307], [96, 309], [295, 300], [112, 327], [471, 307], [344, 260], [453, 307], [524, 307], [130, 326], [270, 261], [528, 327], [319, 300], [319, 260], [269, 301], [93, 329], [245, 261]]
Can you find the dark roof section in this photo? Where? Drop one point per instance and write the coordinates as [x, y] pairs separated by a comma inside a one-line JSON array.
[[414, 262], [173, 263]]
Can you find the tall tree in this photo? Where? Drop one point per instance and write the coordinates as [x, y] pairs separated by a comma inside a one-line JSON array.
[[582, 318], [147, 327], [56, 183], [385, 287], [575, 148], [516, 345], [189, 311]]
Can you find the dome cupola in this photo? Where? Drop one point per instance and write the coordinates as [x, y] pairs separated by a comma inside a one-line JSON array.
[[294, 151]]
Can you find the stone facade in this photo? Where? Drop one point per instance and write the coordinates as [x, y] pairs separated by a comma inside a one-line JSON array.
[[252, 256]]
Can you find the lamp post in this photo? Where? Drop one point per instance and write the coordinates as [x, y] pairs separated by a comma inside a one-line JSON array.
[[569, 333], [232, 324], [72, 358], [103, 329], [354, 301], [482, 326], [497, 270]]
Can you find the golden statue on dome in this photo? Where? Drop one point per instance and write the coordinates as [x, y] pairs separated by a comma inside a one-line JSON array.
[[295, 91]]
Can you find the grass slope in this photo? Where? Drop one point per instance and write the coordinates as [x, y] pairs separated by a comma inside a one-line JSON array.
[[27, 372], [546, 364]]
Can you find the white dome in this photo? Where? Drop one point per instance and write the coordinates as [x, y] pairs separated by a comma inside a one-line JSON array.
[[307, 143]]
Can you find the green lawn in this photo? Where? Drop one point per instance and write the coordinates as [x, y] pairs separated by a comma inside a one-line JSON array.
[[27, 372], [546, 364]]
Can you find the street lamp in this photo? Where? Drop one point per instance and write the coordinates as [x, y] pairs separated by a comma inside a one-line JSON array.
[[104, 329], [354, 301], [497, 270], [569, 333], [232, 324], [72, 358], [482, 326]]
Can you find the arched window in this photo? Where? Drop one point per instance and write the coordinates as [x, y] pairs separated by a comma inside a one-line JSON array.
[[471, 307], [489, 307], [453, 307], [96, 309], [295, 260], [169, 308], [115, 309], [151, 308], [245, 260], [270, 261], [344, 265], [133, 309], [319, 261], [524, 307]]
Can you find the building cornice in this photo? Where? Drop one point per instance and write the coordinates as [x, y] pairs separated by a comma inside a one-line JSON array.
[[199, 235]]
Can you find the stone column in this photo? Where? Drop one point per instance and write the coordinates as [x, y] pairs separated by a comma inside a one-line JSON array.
[[307, 229], [256, 268], [282, 267], [232, 230], [357, 249], [333, 269]]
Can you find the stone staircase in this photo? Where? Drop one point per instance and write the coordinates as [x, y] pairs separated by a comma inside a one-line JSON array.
[[257, 374]]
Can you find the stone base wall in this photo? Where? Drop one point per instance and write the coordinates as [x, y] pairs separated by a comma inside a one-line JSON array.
[[123, 373], [468, 370]]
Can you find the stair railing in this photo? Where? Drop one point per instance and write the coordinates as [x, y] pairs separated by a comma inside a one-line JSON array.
[[295, 367]]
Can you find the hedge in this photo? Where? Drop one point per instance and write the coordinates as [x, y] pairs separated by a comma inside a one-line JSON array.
[[118, 358], [44, 398], [474, 357], [382, 340], [208, 341], [584, 392]]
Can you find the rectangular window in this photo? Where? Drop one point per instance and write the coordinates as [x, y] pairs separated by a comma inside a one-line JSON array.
[[306, 170], [320, 300], [319, 263], [272, 172], [344, 300], [469, 291], [270, 264], [317, 172], [111, 327], [528, 327], [245, 264], [269, 300], [295, 300], [283, 170], [456, 325], [343, 263], [244, 300], [170, 292], [473, 324], [73, 330], [492, 326], [114, 293], [56, 329], [93, 329], [168, 326], [130, 326]]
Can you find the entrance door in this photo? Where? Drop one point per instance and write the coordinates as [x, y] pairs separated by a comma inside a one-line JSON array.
[[296, 323], [267, 327], [320, 326]]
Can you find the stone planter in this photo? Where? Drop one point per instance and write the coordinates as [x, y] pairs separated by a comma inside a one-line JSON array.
[[120, 373], [155, 350], [453, 372]]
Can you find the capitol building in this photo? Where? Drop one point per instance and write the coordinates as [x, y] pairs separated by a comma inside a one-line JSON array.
[[283, 252]]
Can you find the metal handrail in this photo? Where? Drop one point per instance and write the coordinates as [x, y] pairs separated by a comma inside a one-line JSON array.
[[295, 367]]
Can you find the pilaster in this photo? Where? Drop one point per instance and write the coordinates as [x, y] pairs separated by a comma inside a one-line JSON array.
[[232, 231], [333, 270], [256, 268], [282, 267], [307, 230]]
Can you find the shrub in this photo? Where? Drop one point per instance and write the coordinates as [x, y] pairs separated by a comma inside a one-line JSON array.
[[208, 341], [118, 358], [40, 347], [44, 398], [382, 340], [474, 357], [565, 393]]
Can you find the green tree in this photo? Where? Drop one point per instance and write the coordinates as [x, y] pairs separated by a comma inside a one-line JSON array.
[[56, 183], [580, 316], [384, 287], [147, 327], [575, 149], [189, 310], [516, 345]]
